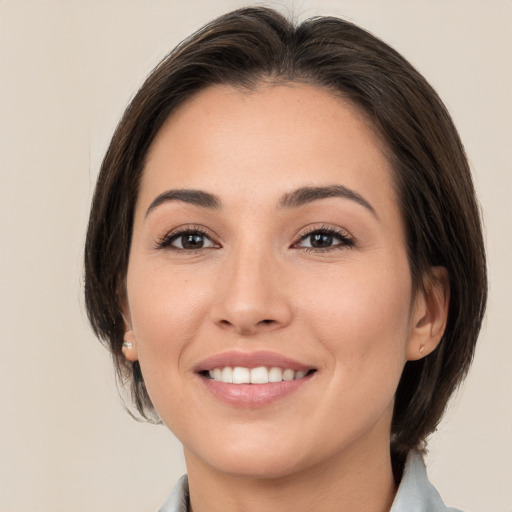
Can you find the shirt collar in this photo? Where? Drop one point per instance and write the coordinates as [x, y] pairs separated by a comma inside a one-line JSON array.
[[415, 493]]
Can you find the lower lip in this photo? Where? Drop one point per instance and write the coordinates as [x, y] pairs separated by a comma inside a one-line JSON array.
[[253, 395]]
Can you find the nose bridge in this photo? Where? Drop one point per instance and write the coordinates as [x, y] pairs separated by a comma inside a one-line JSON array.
[[250, 297]]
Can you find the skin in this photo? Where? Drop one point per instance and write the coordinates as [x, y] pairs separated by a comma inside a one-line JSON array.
[[346, 309]]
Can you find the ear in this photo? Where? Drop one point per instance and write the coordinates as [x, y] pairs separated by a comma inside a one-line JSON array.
[[429, 315], [129, 348]]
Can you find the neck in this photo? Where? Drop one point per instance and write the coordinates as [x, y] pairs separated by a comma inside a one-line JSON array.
[[354, 482]]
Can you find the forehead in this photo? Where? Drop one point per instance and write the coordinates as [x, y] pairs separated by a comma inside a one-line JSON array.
[[246, 144]]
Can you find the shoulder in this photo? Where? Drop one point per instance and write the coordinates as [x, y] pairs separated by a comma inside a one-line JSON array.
[[416, 493]]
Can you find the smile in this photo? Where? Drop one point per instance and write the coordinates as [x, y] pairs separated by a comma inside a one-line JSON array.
[[253, 379], [259, 375]]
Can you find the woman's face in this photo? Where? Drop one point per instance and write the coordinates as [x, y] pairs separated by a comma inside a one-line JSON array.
[[267, 235]]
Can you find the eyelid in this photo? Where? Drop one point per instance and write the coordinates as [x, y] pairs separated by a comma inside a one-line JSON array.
[[347, 239], [164, 242]]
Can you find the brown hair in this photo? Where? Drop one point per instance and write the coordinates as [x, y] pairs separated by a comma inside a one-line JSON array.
[[253, 45]]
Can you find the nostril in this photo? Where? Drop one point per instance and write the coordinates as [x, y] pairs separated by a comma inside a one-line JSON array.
[[267, 321]]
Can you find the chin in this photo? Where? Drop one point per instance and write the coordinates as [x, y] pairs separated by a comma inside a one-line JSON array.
[[262, 467], [251, 458]]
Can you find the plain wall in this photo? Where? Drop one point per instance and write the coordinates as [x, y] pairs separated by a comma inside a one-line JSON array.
[[67, 70]]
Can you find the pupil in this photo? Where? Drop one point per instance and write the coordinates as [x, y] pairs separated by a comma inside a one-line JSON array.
[[192, 241], [321, 240]]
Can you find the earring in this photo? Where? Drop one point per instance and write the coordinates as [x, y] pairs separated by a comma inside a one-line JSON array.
[[127, 344], [422, 349]]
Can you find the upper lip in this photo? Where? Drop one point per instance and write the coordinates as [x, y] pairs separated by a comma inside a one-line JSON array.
[[251, 360]]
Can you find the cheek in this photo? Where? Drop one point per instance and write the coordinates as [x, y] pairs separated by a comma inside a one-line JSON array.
[[363, 319], [363, 326], [165, 309]]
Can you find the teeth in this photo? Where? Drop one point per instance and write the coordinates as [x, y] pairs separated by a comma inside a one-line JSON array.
[[226, 374], [240, 375], [288, 375], [275, 375], [260, 375]]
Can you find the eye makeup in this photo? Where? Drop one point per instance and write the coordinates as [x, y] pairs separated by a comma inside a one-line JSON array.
[[324, 238], [188, 239]]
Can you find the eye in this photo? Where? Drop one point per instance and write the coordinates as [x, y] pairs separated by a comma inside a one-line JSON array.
[[325, 239], [186, 240], [191, 241]]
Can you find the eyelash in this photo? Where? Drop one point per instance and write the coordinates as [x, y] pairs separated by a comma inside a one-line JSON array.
[[346, 241], [166, 241]]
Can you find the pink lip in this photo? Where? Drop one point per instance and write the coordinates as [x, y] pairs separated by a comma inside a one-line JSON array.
[[251, 360], [251, 395]]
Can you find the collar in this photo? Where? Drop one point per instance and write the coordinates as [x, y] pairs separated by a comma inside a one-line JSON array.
[[415, 493]]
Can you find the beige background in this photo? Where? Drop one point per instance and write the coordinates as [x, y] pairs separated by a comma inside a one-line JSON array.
[[67, 70]]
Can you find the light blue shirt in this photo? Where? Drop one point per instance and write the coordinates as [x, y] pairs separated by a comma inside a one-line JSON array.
[[415, 493]]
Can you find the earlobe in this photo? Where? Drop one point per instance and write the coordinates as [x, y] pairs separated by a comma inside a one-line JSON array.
[[130, 346], [430, 314]]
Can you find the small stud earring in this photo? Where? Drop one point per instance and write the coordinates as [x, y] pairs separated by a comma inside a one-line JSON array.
[[127, 344], [422, 349]]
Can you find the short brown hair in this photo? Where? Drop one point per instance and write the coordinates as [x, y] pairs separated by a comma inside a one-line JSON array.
[[253, 45]]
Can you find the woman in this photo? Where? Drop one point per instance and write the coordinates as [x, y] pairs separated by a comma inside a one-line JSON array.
[[285, 258]]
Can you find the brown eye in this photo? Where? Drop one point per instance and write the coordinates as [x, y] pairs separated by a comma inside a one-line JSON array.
[[321, 240], [325, 239], [190, 241]]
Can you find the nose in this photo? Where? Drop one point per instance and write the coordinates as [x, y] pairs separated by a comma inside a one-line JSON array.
[[251, 294]]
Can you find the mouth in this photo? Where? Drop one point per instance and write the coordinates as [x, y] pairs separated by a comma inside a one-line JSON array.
[[256, 379], [258, 375]]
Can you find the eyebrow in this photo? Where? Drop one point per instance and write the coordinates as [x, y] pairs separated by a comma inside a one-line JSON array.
[[195, 197], [307, 195], [294, 199]]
